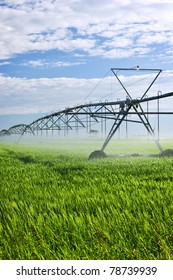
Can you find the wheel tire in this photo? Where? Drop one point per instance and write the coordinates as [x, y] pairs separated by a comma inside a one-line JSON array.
[[98, 154]]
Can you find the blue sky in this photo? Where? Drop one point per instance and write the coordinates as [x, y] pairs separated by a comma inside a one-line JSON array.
[[54, 52]]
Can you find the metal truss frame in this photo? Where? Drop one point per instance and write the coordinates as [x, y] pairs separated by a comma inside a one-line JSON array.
[[17, 129], [88, 114]]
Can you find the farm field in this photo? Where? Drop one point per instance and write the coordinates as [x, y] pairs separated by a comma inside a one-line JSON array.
[[57, 204]]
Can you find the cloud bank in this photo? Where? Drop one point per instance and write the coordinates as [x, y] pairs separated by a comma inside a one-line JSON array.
[[83, 29], [115, 29], [24, 96]]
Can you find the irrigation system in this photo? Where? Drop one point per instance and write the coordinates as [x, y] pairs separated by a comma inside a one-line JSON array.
[[89, 114]]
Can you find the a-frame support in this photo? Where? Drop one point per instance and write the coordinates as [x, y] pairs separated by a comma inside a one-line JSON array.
[[128, 105]]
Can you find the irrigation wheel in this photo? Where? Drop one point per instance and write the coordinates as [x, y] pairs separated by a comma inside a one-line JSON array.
[[97, 154]]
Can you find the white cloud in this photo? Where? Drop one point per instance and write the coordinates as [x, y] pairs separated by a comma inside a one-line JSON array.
[[95, 28], [40, 95], [47, 95], [42, 63], [4, 63]]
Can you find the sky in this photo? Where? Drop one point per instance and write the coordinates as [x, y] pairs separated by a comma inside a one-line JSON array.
[[56, 53]]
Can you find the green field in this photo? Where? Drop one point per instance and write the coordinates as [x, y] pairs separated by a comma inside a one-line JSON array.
[[56, 204]]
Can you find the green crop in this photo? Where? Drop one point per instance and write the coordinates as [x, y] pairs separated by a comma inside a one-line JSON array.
[[56, 204]]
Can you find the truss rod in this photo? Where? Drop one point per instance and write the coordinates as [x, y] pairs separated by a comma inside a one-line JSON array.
[[151, 84], [114, 128], [136, 68], [122, 84], [148, 126], [123, 112]]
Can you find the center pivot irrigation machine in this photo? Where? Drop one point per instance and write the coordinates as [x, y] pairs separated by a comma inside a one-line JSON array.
[[85, 115]]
